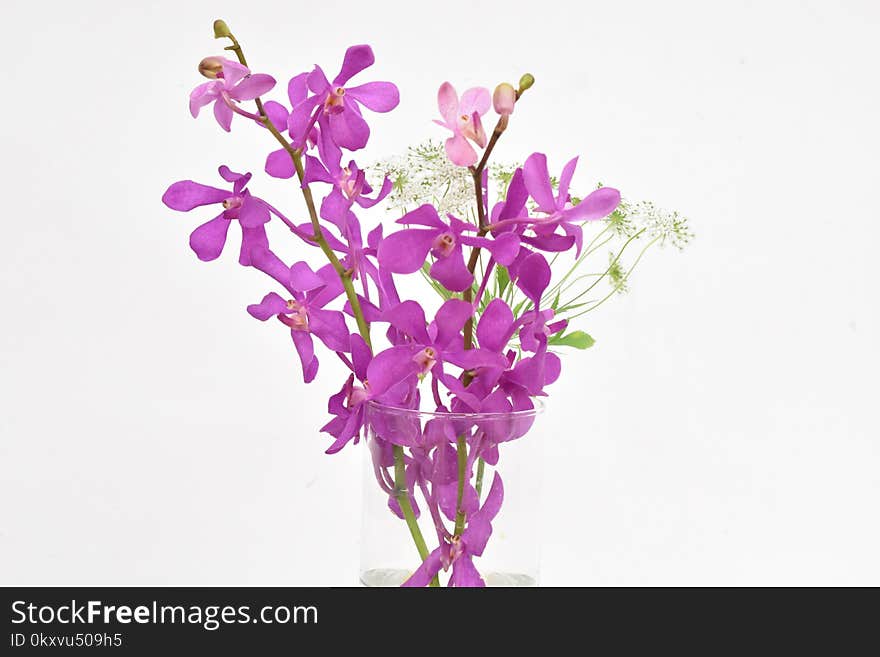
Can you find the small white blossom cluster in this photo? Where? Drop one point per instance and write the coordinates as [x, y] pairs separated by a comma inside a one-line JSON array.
[[670, 226], [424, 174]]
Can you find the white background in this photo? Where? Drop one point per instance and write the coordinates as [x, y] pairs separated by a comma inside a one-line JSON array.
[[722, 431]]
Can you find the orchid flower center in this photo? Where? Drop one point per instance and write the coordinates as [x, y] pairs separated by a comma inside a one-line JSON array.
[[425, 359], [443, 245], [335, 101], [456, 548], [347, 182], [467, 128], [297, 317], [356, 396], [231, 205]]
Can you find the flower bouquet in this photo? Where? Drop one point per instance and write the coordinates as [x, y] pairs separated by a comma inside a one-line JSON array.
[[437, 394]]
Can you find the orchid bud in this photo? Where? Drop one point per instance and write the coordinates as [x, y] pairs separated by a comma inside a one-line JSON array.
[[526, 82], [221, 29], [504, 99], [211, 67]]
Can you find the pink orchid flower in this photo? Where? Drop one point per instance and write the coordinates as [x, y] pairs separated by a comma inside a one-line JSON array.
[[232, 83], [463, 118]]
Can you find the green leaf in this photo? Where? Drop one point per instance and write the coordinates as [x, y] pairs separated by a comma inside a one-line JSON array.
[[503, 278], [576, 339]]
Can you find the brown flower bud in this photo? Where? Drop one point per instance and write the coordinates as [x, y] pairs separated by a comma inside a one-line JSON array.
[[210, 67]]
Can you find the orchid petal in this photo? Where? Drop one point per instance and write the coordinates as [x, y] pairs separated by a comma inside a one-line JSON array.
[[537, 180], [451, 272], [409, 317], [465, 574], [348, 129], [600, 203], [330, 327], [564, 182], [377, 96], [390, 367], [298, 89], [185, 195], [252, 239], [202, 95], [356, 59], [223, 114], [253, 86], [253, 212], [426, 571], [476, 99], [302, 340], [460, 152], [303, 278], [279, 164], [450, 319], [405, 251], [534, 277], [209, 239], [447, 103], [271, 305], [277, 114], [496, 326]]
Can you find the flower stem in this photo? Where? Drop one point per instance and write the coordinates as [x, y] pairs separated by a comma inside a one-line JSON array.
[[481, 467], [402, 495], [460, 516], [344, 274]]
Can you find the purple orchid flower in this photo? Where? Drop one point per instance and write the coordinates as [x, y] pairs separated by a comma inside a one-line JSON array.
[[558, 210], [238, 204], [460, 551], [305, 315], [233, 83], [278, 162], [405, 251], [512, 215], [428, 348], [336, 107], [349, 183], [348, 405], [462, 117]]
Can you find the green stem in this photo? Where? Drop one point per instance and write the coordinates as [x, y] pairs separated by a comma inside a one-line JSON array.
[[481, 466], [402, 495], [461, 450], [611, 264], [344, 274], [625, 278]]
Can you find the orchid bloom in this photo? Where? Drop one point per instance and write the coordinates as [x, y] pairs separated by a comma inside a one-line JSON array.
[[305, 316], [279, 163], [558, 210], [233, 83], [427, 349], [208, 240], [405, 251], [349, 183], [461, 550], [347, 405], [335, 106], [462, 117]]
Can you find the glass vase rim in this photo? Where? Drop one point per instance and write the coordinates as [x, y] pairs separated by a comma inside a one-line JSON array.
[[538, 409]]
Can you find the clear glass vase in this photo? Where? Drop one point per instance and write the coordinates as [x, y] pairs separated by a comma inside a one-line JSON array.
[[460, 492]]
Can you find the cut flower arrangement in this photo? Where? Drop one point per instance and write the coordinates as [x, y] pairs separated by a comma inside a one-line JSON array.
[[486, 237]]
